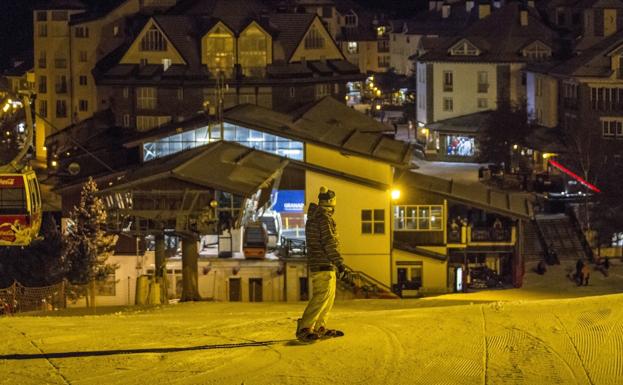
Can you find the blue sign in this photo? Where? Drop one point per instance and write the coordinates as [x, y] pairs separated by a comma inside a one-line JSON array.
[[289, 201]]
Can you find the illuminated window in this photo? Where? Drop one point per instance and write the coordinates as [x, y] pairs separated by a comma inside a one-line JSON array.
[[220, 50], [464, 48], [144, 122], [448, 104], [373, 221], [483, 82], [153, 40], [180, 93], [314, 39], [380, 31], [253, 52], [126, 92], [537, 51], [146, 98], [448, 81], [353, 47], [612, 128], [418, 218]]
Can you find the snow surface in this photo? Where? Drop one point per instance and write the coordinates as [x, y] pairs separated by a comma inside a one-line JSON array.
[[534, 335]]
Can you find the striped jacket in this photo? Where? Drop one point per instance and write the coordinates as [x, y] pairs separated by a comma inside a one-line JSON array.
[[322, 240]]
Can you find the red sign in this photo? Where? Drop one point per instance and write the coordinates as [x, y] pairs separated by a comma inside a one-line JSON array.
[[11, 181], [9, 225]]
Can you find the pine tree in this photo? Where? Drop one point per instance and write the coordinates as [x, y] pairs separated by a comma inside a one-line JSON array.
[[87, 246]]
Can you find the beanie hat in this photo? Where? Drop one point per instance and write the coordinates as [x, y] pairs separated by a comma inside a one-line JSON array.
[[326, 197]]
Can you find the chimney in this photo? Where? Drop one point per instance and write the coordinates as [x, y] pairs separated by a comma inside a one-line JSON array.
[[523, 17], [484, 10], [469, 5], [445, 11]]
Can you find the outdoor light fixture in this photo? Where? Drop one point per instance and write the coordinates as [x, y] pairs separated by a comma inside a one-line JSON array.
[[378, 106], [54, 163], [515, 146], [395, 194]]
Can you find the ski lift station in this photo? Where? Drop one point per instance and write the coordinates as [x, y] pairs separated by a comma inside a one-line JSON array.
[[222, 204]]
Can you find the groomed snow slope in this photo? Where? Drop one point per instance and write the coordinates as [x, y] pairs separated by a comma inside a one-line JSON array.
[[452, 339]]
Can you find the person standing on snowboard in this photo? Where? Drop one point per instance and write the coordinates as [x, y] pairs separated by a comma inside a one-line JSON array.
[[324, 261]]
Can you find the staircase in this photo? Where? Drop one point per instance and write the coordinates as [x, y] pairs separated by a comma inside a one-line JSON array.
[[562, 236], [533, 251], [360, 285]]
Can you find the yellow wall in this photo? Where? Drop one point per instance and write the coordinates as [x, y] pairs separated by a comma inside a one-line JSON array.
[[254, 28], [349, 164], [328, 52], [610, 21], [369, 253], [434, 272], [134, 54]]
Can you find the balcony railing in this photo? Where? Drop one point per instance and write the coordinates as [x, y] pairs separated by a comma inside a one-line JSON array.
[[481, 235]]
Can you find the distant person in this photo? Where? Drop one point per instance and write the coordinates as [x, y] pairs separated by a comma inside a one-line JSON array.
[[578, 271], [540, 268], [586, 274]]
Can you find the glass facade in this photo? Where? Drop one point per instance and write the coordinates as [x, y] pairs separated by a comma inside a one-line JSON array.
[[203, 135], [418, 218]]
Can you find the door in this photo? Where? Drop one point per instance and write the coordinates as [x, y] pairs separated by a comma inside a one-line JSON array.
[[303, 289], [255, 289], [235, 294], [402, 277]]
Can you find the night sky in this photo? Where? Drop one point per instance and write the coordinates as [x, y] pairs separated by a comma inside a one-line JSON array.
[[16, 22]]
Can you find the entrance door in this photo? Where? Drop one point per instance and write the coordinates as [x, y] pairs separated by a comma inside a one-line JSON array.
[[403, 278], [303, 289], [235, 294], [255, 289]]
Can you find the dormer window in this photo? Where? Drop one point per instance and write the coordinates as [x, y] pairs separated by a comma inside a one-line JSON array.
[[153, 40], [350, 20], [380, 31], [537, 51], [314, 39], [464, 48]]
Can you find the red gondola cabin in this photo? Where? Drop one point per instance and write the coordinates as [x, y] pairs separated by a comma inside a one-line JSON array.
[[20, 208]]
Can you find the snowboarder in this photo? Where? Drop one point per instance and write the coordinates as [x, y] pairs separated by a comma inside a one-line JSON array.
[[324, 260], [586, 273], [578, 271]]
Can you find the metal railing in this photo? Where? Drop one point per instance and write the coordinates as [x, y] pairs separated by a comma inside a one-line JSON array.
[[575, 224]]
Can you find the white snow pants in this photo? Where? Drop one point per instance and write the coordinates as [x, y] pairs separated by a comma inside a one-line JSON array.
[[323, 294]]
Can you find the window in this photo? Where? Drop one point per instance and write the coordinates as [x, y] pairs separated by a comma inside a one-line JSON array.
[[82, 32], [336, 88], [373, 221], [380, 31], [537, 51], [314, 39], [606, 99], [483, 82], [292, 92], [482, 103], [146, 98], [42, 16], [43, 84], [448, 105], [59, 15], [126, 92], [352, 47], [166, 63], [382, 45], [61, 84], [61, 109], [83, 105], [464, 48], [83, 80], [323, 90], [144, 123], [447, 81], [115, 30], [153, 40], [220, 50], [143, 62], [612, 128], [383, 61], [418, 218], [43, 108], [180, 93], [83, 56], [42, 30], [43, 62], [126, 120], [253, 46], [350, 20]]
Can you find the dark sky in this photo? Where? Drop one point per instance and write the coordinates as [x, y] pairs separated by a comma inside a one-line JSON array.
[[16, 22]]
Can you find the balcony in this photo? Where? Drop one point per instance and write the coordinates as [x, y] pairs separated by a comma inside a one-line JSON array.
[[482, 236]]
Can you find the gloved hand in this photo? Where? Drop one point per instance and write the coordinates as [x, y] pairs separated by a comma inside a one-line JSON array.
[[341, 271]]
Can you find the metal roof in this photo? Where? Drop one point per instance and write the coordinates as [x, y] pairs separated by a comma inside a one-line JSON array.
[[220, 165]]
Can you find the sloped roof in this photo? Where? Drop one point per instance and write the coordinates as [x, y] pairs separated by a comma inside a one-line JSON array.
[[233, 168], [313, 126], [180, 30], [236, 14], [292, 28], [60, 4], [499, 36], [470, 123], [592, 61]]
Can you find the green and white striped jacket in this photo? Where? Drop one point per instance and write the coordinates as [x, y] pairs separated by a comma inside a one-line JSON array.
[[322, 241]]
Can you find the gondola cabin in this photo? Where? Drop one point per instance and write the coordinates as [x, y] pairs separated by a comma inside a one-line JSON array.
[[20, 208], [255, 241]]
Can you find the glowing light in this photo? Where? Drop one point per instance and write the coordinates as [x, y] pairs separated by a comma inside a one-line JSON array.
[[54, 163], [547, 155], [573, 175], [378, 92], [515, 146], [5, 108], [395, 194], [378, 107], [425, 131]]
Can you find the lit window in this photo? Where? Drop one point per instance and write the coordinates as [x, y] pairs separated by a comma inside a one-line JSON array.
[[448, 81], [373, 221], [464, 48], [253, 51], [418, 218], [448, 104], [220, 50], [146, 98], [353, 47], [483, 82]]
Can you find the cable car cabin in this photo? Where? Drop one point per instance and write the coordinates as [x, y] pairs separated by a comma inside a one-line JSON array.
[[20, 208], [254, 241]]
